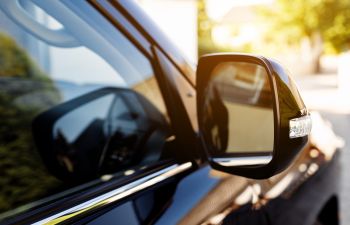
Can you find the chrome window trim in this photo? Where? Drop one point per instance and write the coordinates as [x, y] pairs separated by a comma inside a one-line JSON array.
[[117, 194], [244, 161]]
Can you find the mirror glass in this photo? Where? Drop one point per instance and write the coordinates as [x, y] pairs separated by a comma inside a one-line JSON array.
[[238, 110]]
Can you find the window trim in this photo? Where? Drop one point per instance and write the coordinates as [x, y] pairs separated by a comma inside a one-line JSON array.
[[136, 25], [115, 195], [124, 26], [49, 209]]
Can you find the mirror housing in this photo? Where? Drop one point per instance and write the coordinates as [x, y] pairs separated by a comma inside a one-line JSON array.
[[291, 119]]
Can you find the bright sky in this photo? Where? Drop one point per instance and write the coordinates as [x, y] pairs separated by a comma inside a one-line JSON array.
[[218, 8]]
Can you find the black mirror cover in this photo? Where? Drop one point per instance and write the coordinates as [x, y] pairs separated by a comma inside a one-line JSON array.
[[287, 108]]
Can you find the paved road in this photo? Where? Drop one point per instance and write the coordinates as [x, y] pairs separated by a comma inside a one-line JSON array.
[[321, 92], [341, 125]]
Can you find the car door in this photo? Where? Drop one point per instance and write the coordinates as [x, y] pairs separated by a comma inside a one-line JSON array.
[[86, 131], [100, 129]]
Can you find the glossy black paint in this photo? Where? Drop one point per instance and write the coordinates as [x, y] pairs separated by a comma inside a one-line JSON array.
[[287, 105]]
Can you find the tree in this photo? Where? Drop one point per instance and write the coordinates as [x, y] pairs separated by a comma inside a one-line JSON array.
[[319, 22], [204, 30]]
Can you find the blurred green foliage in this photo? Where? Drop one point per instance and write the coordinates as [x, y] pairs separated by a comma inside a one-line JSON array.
[[290, 21], [25, 91], [205, 26]]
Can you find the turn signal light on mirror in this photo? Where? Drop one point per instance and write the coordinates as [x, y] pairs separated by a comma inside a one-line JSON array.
[[300, 127]]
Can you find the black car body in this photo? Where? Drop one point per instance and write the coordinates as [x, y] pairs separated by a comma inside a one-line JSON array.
[[129, 182]]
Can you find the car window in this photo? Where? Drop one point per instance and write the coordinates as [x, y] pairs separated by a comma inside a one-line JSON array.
[[68, 117]]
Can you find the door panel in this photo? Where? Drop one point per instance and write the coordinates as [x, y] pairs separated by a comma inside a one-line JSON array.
[[124, 214]]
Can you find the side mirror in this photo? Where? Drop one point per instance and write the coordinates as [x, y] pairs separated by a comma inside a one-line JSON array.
[[251, 117]]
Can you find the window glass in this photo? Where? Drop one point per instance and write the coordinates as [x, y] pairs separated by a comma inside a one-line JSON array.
[[68, 117]]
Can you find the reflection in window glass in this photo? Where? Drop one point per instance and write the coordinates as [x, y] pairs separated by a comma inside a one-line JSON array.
[[120, 125]]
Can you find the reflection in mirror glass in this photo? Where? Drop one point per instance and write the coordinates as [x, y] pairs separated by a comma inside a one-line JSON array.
[[239, 109]]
